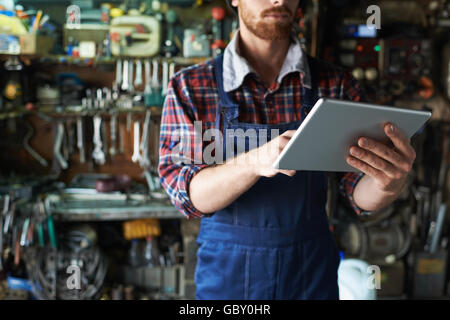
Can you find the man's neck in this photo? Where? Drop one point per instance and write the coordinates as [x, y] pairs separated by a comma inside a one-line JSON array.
[[265, 56]]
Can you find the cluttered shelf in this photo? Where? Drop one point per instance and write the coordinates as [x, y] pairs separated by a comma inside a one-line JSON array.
[[86, 62], [55, 112]]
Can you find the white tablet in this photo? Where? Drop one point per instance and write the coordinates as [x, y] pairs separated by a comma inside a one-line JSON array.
[[323, 140]]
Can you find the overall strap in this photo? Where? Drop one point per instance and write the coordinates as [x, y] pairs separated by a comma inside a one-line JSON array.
[[224, 98]]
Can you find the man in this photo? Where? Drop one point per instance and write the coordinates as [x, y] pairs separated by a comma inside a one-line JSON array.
[[264, 232]]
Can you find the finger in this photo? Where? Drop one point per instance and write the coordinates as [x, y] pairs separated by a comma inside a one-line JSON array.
[[289, 173], [400, 141], [375, 162], [365, 168], [288, 133], [383, 151]]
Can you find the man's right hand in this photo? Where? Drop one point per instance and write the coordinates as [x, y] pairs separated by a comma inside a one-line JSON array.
[[261, 159]]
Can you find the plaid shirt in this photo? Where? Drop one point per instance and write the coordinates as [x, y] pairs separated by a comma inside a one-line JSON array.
[[193, 96]]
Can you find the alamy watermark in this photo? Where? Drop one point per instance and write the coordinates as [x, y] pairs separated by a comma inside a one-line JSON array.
[[186, 144], [374, 280], [374, 20], [74, 280]]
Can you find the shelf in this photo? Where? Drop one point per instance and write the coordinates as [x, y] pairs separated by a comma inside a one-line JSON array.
[[61, 59], [77, 111], [104, 206]]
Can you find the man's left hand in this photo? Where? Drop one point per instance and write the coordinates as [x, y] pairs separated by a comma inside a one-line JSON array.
[[388, 166]]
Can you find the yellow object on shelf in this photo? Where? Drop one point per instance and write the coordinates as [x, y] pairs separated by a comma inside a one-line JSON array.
[[141, 228], [116, 12], [11, 25]]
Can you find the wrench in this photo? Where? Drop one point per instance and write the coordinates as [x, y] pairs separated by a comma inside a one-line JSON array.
[[30, 150], [144, 160], [155, 80], [97, 154], [104, 138], [130, 76], [138, 80], [119, 72], [165, 77], [113, 127], [136, 156], [171, 69], [57, 146], [148, 86], [124, 86], [80, 139]]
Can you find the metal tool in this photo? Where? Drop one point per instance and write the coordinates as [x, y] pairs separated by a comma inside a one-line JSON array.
[[113, 130], [24, 234], [30, 150], [97, 153], [118, 72], [136, 156], [80, 139], [138, 80], [156, 85], [5, 211], [130, 76], [171, 70], [57, 146], [144, 159], [148, 86], [104, 138], [165, 77], [125, 82]]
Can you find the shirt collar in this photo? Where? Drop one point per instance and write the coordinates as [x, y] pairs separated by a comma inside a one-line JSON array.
[[236, 67]]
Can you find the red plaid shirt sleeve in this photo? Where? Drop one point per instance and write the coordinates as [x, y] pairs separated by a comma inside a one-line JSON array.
[[179, 150]]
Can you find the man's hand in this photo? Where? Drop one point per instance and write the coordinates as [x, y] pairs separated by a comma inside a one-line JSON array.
[[387, 166], [261, 159]]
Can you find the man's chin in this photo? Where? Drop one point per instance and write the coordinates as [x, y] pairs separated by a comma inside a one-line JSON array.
[[271, 33]]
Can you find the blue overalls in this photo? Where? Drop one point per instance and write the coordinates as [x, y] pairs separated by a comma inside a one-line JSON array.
[[274, 241]]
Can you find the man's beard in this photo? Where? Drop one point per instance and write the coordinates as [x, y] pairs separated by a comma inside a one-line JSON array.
[[277, 30]]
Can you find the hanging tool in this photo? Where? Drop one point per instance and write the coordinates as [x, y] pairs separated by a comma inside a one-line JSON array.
[[138, 79], [165, 77], [3, 223], [144, 159], [97, 154], [136, 156], [104, 138], [30, 150], [113, 130], [171, 70], [118, 80], [57, 146], [130, 76], [148, 87], [125, 82], [156, 85], [80, 139]]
